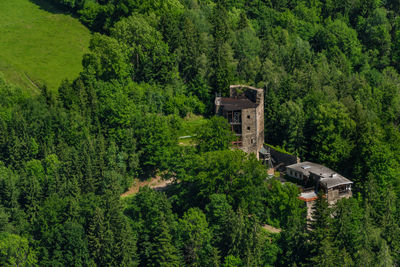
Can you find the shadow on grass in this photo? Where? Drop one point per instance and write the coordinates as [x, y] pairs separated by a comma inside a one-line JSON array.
[[53, 7]]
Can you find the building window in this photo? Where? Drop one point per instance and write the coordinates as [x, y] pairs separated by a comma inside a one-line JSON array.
[[234, 117], [343, 189], [252, 140], [237, 117], [248, 128], [248, 116]]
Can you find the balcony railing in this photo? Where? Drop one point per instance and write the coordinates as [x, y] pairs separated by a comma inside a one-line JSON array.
[[238, 142]]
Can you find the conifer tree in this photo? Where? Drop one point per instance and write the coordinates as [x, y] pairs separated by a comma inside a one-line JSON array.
[[154, 223], [247, 239], [221, 55], [293, 242], [347, 225], [220, 216], [163, 252], [197, 238], [99, 239], [390, 224], [31, 185], [322, 250]]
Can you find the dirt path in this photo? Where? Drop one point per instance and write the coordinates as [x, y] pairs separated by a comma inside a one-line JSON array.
[[271, 229], [157, 183]]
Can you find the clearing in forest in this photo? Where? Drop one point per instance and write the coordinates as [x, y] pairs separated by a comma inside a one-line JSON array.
[[156, 183], [39, 43], [191, 124]]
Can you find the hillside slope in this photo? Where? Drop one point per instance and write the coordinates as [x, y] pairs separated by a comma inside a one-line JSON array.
[[39, 43]]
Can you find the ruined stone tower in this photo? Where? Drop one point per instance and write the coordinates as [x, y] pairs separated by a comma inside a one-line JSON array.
[[244, 110]]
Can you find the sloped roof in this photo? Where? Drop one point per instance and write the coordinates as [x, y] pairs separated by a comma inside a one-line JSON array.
[[330, 182], [329, 178], [231, 104]]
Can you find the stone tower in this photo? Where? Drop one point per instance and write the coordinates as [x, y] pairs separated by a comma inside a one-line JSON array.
[[244, 110]]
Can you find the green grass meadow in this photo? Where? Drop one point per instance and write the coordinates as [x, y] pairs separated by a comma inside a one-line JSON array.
[[39, 44], [191, 124]]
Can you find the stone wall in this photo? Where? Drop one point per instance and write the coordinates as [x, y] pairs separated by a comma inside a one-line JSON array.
[[260, 120], [281, 157], [334, 195], [249, 130]]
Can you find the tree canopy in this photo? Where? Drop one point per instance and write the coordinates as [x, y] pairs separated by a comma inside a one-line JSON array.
[[330, 71]]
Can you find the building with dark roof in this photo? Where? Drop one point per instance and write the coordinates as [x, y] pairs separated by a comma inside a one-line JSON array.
[[244, 110], [334, 185]]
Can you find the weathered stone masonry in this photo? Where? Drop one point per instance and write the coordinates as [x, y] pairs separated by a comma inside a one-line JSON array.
[[244, 110]]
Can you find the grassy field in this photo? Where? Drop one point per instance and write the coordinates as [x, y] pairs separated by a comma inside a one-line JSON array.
[[38, 43], [191, 124]]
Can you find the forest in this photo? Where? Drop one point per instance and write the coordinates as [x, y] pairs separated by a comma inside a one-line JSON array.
[[331, 75]]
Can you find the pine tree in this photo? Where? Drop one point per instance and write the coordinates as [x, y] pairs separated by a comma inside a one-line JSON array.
[[196, 238], [31, 185], [293, 241], [347, 225], [163, 252], [220, 216], [98, 243], [345, 259], [190, 50], [390, 224], [246, 239], [327, 254], [323, 252], [221, 55], [154, 224]]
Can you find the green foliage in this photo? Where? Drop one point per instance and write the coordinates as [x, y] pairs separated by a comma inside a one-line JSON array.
[[323, 252], [192, 124], [227, 172], [146, 51], [281, 203], [156, 141], [152, 218], [375, 33], [332, 129], [241, 179], [247, 239], [293, 241], [337, 36], [192, 58], [232, 261], [222, 63], [107, 59], [330, 70], [247, 48], [279, 149], [197, 240], [220, 215], [16, 251], [163, 253], [62, 242], [214, 135]]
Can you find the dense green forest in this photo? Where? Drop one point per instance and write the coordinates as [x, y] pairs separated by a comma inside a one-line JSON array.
[[330, 70]]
